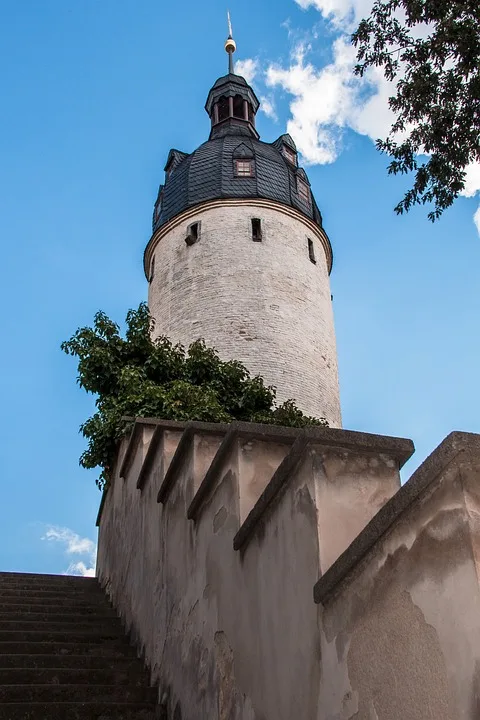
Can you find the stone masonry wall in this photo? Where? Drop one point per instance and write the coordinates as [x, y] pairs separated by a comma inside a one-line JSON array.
[[263, 303], [210, 555]]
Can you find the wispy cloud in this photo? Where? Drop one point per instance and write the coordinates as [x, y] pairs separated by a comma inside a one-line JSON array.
[[328, 99], [73, 544], [247, 68], [267, 105], [476, 219]]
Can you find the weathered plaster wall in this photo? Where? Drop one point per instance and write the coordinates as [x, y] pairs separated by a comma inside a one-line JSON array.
[[263, 303], [400, 633], [235, 635]]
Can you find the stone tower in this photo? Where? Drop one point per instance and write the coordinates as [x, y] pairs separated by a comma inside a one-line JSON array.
[[239, 256]]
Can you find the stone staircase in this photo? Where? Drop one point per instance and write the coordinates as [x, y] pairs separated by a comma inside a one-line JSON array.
[[64, 654]]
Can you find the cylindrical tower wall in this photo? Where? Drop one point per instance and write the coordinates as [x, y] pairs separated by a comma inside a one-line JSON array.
[[264, 303]]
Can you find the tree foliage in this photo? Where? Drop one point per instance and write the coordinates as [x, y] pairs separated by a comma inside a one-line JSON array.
[[136, 376], [431, 50]]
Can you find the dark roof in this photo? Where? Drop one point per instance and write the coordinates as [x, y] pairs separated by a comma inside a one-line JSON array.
[[207, 174]]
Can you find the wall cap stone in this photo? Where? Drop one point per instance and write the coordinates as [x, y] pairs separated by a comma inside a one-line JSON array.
[[447, 452], [399, 449], [183, 447]]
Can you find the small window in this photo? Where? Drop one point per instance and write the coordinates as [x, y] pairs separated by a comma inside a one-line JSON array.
[[303, 191], [290, 154], [256, 230], [238, 107], [243, 168], [311, 251], [193, 233], [152, 269], [223, 109]]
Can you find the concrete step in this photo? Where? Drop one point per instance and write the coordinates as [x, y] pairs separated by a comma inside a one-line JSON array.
[[14, 598], [91, 624], [136, 677], [87, 635], [77, 711], [45, 613], [33, 578], [108, 648], [76, 693], [65, 584], [49, 592], [123, 663]]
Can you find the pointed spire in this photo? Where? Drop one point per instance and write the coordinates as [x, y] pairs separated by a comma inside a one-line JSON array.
[[230, 45]]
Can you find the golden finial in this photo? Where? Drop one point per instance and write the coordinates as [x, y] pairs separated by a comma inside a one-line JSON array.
[[230, 45]]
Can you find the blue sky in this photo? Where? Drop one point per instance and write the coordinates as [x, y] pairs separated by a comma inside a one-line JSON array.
[[94, 94]]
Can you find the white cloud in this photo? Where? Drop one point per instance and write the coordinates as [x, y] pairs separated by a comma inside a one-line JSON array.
[[327, 100], [472, 180], [476, 219], [324, 100], [267, 105], [74, 545], [247, 68], [79, 568], [344, 13]]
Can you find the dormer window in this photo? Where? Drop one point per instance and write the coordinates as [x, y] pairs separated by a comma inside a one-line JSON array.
[[303, 192], [243, 168], [289, 154]]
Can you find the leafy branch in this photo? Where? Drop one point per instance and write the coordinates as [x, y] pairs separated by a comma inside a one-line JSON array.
[[139, 376], [431, 50]]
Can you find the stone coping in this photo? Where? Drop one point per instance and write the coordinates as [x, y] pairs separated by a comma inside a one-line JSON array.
[[453, 445], [399, 449], [273, 490], [182, 450], [101, 506], [138, 426], [251, 431]]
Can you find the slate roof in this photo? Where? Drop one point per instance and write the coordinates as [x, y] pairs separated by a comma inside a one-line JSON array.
[[208, 173]]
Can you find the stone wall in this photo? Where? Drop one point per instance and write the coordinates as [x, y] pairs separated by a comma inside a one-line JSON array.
[[263, 303], [400, 636], [211, 539]]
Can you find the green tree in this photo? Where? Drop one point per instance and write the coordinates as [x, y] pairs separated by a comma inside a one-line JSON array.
[[431, 50], [136, 376]]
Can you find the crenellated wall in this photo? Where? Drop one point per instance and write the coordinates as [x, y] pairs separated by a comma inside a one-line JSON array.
[[212, 539], [215, 581]]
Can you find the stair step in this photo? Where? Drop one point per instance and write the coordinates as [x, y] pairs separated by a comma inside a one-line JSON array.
[[53, 612], [93, 624], [108, 648], [76, 693], [53, 600], [123, 663], [87, 635], [77, 711], [74, 676], [64, 654], [48, 593], [33, 578]]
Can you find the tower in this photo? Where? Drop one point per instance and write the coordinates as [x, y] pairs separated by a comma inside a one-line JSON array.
[[239, 256]]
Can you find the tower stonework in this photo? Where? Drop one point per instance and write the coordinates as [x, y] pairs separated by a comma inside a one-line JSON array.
[[239, 256]]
